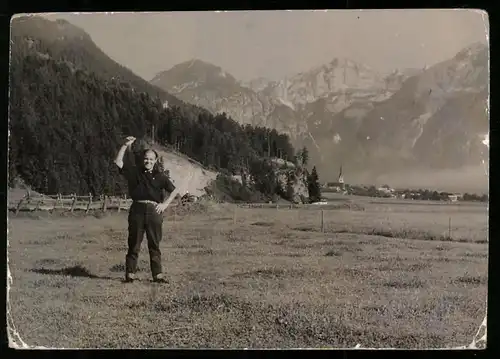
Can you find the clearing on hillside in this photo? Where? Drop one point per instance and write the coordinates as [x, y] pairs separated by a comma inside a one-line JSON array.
[[186, 173]]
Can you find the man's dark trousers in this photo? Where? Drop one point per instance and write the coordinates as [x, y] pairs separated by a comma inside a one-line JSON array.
[[143, 219]]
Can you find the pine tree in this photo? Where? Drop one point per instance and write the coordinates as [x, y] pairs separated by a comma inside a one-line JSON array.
[[313, 186], [305, 156]]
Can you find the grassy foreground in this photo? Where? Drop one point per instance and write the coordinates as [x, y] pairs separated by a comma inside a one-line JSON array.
[[255, 278]]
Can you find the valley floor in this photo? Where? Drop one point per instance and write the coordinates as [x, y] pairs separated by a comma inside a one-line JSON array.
[[255, 278]]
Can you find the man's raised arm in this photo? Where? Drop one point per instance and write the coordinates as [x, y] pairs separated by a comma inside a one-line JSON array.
[[121, 153]]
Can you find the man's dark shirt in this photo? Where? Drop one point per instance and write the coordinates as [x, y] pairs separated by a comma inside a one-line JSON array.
[[143, 185]]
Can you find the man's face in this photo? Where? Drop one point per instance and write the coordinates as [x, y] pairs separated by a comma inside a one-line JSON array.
[[149, 160]]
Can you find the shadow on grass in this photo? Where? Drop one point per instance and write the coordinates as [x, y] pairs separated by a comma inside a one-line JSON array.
[[75, 271], [306, 229], [333, 253], [263, 224], [470, 280]]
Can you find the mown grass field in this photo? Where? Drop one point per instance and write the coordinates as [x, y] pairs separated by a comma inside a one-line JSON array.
[[385, 277]]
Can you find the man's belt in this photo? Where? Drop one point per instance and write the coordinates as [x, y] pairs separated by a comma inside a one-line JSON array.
[[147, 201]]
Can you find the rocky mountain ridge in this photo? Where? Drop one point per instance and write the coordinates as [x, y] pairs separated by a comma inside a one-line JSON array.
[[349, 114]]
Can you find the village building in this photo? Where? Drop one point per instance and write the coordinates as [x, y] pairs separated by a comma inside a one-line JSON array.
[[453, 197], [387, 191], [339, 185]]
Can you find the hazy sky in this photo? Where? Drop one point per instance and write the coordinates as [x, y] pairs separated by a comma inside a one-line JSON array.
[[274, 44]]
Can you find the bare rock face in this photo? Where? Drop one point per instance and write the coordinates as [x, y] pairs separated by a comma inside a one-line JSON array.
[[282, 105], [300, 192], [337, 77], [294, 182]]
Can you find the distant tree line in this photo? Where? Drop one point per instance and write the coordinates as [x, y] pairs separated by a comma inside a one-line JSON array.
[[472, 197], [426, 194], [416, 194]]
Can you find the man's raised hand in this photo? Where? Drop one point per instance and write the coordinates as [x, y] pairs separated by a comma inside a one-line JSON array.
[[129, 140]]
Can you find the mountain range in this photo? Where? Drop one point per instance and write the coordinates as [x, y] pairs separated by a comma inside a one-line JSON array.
[[412, 120]]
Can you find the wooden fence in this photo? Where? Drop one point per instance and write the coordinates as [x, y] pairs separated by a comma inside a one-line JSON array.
[[270, 205], [73, 202], [70, 202], [342, 205]]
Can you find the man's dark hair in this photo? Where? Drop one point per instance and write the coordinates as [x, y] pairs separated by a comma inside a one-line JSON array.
[[150, 150]]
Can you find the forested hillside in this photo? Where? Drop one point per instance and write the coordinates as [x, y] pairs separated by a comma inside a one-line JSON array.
[[68, 120]]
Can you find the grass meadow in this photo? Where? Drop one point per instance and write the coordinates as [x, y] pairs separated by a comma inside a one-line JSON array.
[[387, 274]]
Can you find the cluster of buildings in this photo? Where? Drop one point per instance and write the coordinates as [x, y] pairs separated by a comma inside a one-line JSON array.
[[385, 191]]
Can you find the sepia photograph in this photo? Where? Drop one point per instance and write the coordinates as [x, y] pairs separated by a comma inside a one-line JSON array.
[[248, 179]]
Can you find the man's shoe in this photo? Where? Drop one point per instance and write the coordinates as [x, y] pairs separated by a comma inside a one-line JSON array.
[[130, 277], [160, 278]]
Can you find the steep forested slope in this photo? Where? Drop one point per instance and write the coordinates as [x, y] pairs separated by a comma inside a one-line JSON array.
[[67, 119]]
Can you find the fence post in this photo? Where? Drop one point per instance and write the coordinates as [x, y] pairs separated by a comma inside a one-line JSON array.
[[73, 203], [19, 205], [38, 204], [104, 203], [56, 202], [90, 202], [322, 221]]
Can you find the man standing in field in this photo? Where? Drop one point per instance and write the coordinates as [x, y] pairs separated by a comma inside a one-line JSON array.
[[147, 187]]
